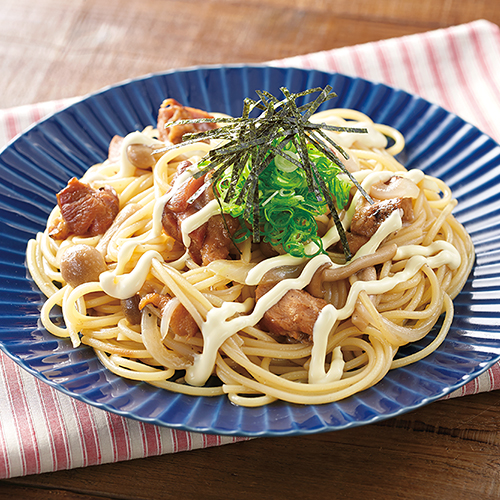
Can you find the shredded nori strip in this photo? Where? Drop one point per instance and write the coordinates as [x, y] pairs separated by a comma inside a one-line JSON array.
[[255, 142]]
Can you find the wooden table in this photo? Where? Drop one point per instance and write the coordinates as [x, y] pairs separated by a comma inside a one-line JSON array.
[[52, 49]]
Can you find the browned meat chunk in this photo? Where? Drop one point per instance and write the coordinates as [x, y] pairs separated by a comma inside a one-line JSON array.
[[172, 221], [367, 218], [59, 230], [212, 240], [179, 201], [85, 211], [217, 242], [171, 111], [294, 315], [181, 322], [355, 242]]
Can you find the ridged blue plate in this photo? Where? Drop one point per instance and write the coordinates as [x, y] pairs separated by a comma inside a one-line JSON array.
[[39, 163]]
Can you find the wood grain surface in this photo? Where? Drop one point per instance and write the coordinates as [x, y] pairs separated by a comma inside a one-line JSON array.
[[55, 48], [50, 49]]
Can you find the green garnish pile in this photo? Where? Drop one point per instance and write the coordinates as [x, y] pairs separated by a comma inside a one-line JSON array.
[[278, 171], [287, 206]]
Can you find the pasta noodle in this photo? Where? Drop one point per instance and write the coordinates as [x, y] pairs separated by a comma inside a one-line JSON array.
[[391, 293]]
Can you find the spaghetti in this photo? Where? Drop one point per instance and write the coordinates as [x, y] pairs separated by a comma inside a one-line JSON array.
[[259, 324]]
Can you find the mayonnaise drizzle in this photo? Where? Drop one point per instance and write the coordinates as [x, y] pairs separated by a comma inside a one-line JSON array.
[[127, 168], [223, 322], [321, 331], [218, 326], [220, 323], [367, 177], [391, 224], [446, 254], [254, 277], [198, 219], [123, 286]]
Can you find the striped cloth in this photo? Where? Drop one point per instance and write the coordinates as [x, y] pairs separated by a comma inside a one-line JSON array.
[[43, 430]]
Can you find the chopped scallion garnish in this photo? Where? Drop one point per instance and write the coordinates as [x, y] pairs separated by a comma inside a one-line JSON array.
[[278, 171]]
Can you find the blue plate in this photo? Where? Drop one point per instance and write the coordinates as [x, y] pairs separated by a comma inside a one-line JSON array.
[[39, 163]]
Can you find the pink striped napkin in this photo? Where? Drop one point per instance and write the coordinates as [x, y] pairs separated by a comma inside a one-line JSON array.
[[42, 430]]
